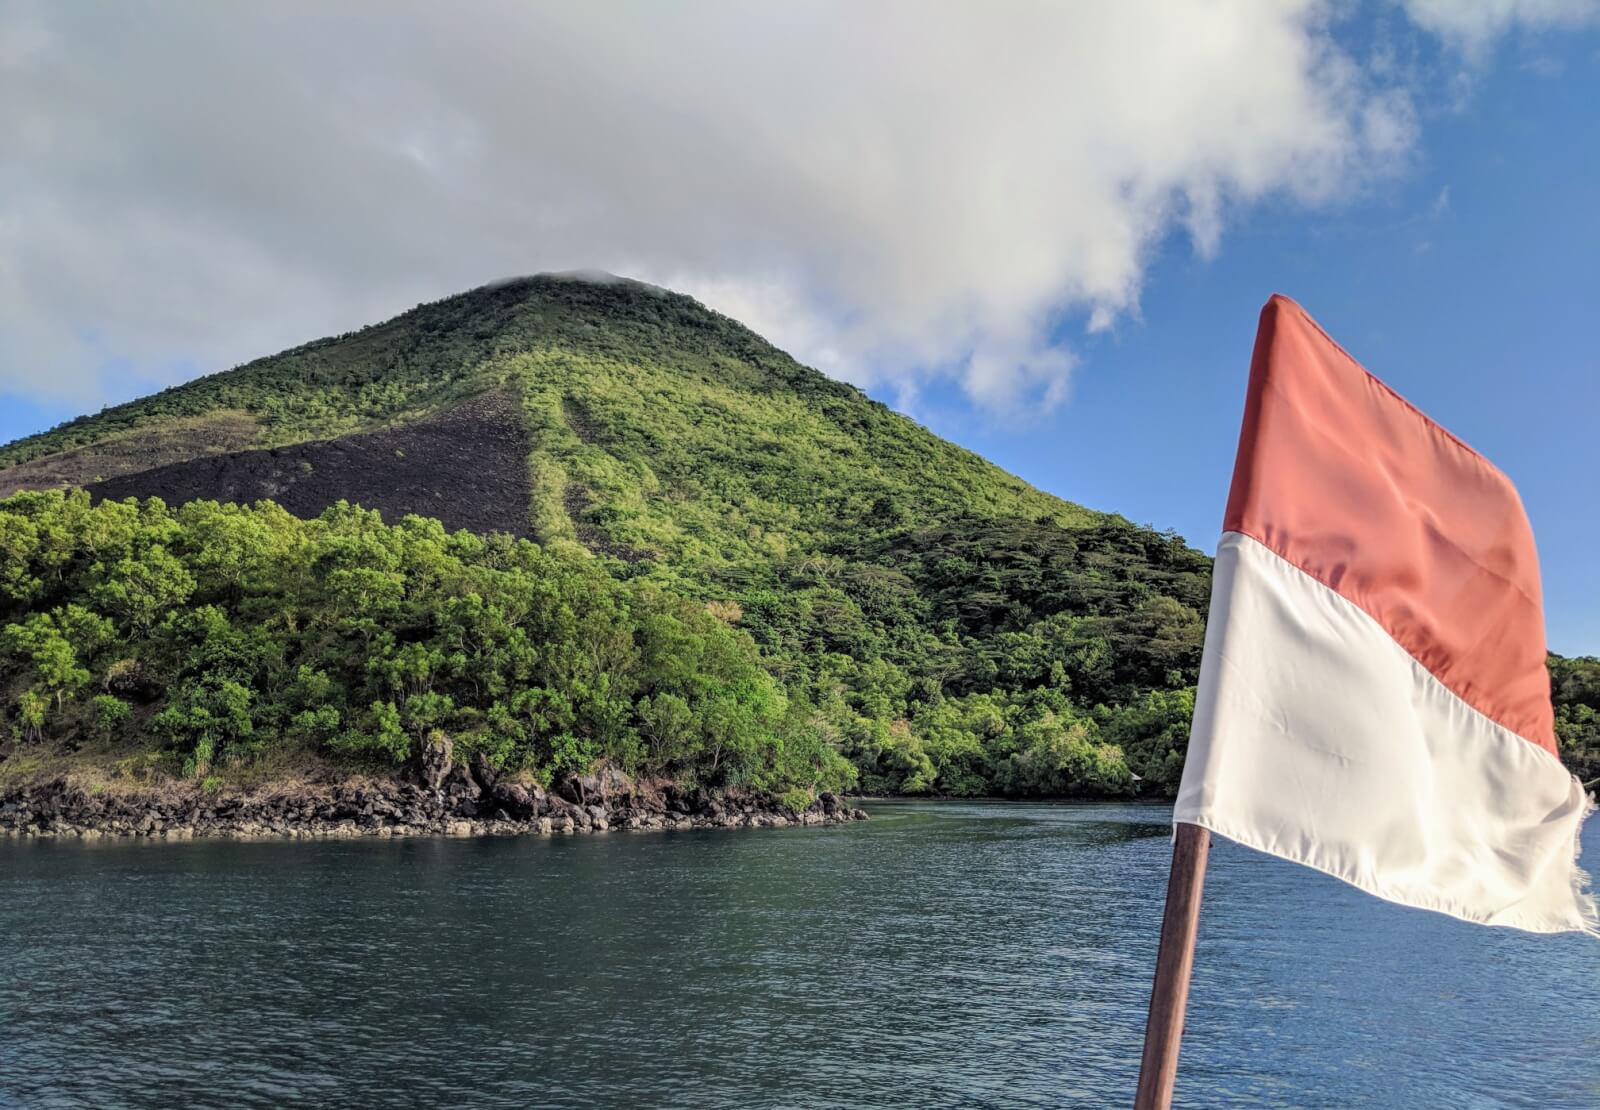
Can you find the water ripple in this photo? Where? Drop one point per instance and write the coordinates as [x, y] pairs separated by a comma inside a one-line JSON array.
[[942, 955]]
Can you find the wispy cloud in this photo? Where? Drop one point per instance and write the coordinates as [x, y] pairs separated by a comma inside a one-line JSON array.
[[1474, 25]]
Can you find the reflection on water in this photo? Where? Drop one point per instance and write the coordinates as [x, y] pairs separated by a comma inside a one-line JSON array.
[[940, 955]]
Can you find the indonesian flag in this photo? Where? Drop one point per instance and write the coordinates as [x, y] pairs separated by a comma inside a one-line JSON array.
[[1373, 699]]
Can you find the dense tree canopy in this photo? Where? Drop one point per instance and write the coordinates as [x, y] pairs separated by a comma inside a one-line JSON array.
[[220, 630], [216, 632]]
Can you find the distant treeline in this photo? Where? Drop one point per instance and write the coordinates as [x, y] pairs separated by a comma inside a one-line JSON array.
[[214, 633], [1575, 688]]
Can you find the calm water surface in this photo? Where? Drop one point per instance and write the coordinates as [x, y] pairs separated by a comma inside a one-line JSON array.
[[940, 955]]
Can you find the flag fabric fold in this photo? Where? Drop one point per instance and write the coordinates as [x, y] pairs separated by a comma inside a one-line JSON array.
[[1373, 699]]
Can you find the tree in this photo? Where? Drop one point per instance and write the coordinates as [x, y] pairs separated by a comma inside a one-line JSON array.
[[142, 589], [205, 720], [46, 651]]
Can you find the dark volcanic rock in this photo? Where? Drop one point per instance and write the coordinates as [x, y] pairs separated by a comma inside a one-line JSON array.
[[459, 784], [568, 788], [515, 801], [483, 774], [467, 467], [180, 810], [434, 760], [676, 799], [605, 786]]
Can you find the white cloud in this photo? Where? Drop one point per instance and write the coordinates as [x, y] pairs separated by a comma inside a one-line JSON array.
[[1473, 25], [894, 190]]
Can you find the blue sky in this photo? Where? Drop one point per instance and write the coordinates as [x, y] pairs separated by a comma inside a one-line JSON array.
[[939, 225]]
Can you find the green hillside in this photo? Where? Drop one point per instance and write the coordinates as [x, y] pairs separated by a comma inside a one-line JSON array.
[[740, 570]]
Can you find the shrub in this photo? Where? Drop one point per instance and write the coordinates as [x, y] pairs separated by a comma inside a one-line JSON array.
[[796, 800], [110, 715]]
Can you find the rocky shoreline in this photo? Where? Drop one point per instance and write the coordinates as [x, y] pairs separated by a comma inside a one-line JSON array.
[[448, 800]]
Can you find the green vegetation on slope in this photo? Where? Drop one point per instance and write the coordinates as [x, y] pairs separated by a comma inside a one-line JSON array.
[[940, 623], [679, 454], [1575, 688], [222, 630], [217, 632]]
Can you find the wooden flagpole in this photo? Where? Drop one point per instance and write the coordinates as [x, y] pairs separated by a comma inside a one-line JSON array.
[[1158, 1071]]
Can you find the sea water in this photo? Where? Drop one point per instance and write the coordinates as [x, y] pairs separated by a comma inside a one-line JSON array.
[[943, 954]]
